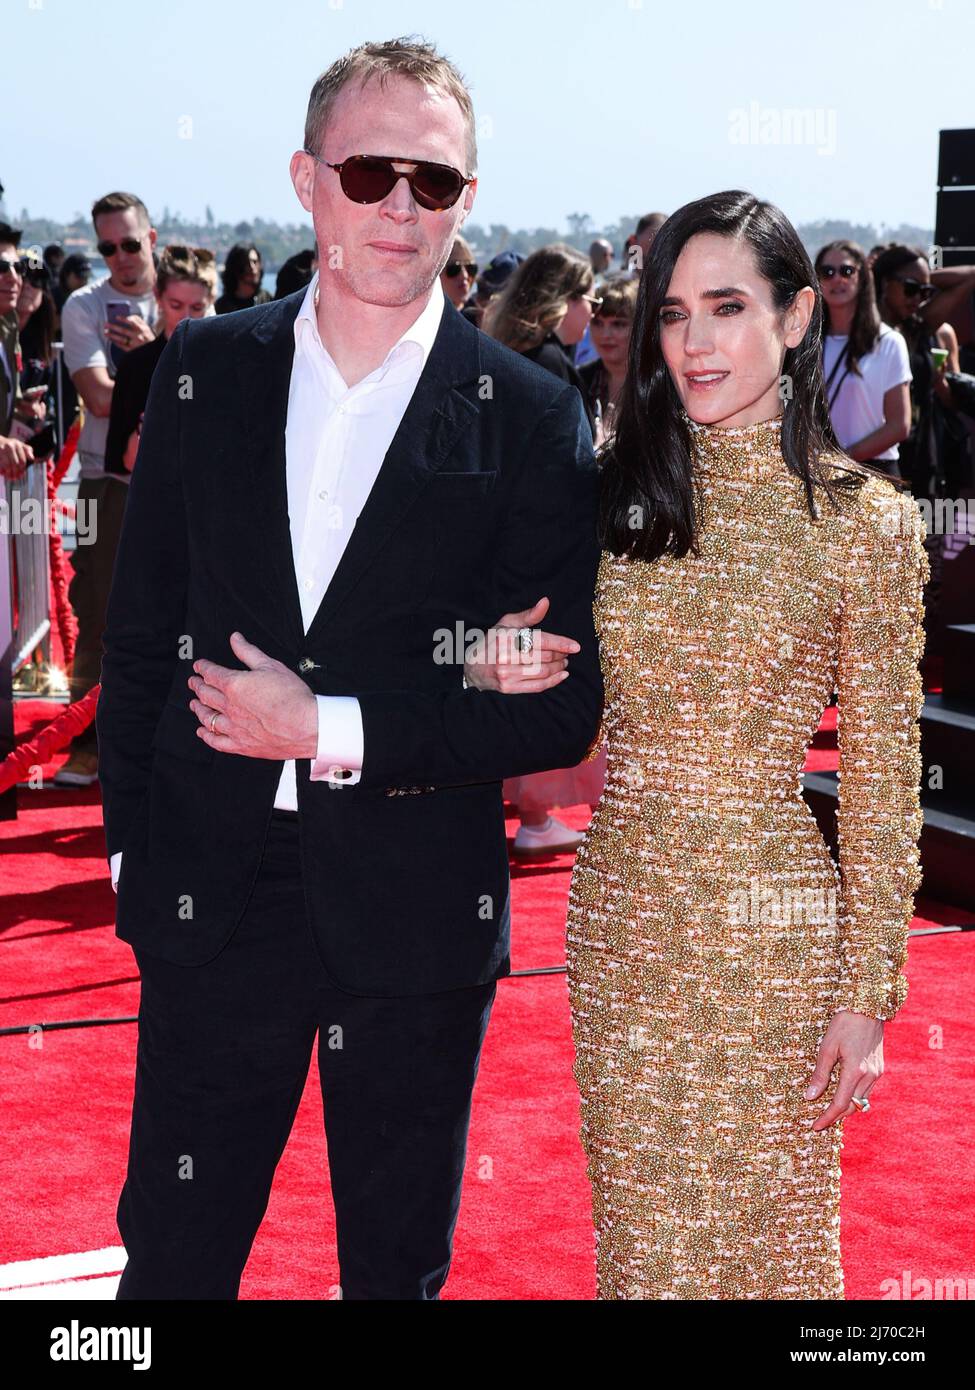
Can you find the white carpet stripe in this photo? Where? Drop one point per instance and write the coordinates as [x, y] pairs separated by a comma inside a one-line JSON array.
[[110, 1260]]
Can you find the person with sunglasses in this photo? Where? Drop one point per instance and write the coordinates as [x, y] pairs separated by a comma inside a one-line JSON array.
[[865, 364], [74, 274], [490, 282], [15, 453], [902, 278], [100, 323], [459, 274], [37, 319], [302, 800], [544, 311]]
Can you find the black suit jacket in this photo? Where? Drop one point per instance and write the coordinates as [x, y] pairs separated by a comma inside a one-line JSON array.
[[486, 500]]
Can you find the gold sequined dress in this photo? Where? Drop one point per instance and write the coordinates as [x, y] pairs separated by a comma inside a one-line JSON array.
[[710, 937]]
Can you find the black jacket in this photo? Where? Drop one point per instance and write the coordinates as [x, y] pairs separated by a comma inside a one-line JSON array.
[[129, 398], [486, 500], [559, 359]]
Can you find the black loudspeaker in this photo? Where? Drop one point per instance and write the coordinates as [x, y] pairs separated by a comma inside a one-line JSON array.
[[955, 222], [956, 159], [954, 228]]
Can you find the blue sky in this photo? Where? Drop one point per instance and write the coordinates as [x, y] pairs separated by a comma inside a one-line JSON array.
[[599, 106]]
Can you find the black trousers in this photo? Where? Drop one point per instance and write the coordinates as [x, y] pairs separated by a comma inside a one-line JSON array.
[[88, 591], [223, 1054]]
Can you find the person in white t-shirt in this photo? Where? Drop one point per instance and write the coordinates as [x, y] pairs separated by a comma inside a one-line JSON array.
[[99, 324], [865, 363]]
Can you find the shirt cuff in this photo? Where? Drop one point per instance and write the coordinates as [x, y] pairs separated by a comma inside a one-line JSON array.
[[338, 760], [115, 865]]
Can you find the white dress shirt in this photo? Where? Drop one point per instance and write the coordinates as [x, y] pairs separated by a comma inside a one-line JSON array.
[[336, 437]]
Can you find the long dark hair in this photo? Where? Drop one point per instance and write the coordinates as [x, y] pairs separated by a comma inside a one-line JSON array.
[[895, 257], [39, 332], [237, 264], [648, 463], [865, 328]]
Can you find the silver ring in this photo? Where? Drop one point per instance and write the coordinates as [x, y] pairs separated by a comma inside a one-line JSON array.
[[861, 1103], [526, 639], [213, 720]]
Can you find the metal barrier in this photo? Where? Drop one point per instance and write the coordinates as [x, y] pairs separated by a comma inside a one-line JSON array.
[[30, 556]]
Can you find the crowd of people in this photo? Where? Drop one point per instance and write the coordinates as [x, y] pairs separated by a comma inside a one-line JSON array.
[[889, 345], [723, 515]]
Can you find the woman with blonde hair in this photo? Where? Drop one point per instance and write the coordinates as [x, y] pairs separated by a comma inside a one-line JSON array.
[[545, 309], [458, 275], [542, 313]]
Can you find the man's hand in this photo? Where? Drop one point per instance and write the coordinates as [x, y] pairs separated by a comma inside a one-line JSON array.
[[266, 711], [15, 455], [856, 1041], [130, 332]]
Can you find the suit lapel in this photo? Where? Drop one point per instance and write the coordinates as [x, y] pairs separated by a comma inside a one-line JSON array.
[[265, 356], [437, 415]]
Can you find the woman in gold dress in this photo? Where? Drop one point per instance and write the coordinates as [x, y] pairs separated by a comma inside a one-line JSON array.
[[728, 986]]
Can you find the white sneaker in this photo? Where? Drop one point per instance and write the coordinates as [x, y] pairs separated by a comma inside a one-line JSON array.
[[81, 770], [551, 838]]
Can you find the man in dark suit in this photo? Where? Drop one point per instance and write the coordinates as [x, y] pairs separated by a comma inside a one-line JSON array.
[[301, 797]]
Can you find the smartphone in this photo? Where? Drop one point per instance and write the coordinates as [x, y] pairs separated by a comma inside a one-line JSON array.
[[44, 442], [117, 309]]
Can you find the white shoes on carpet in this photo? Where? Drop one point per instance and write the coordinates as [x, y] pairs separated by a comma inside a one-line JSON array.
[[551, 838]]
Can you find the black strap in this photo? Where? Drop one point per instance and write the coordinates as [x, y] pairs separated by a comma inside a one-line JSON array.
[[843, 356]]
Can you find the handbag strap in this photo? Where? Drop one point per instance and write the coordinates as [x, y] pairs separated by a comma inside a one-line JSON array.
[[842, 357]]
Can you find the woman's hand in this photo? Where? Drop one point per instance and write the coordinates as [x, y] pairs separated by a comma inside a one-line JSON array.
[[856, 1041], [132, 448], [500, 665]]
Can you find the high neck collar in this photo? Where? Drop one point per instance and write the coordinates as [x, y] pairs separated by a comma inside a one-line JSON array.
[[747, 451]]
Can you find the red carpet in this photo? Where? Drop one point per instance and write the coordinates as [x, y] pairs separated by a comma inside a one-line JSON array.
[[524, 1230]]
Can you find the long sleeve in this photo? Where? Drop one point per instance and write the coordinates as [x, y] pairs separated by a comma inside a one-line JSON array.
[[128, 403], [340, 742], [146, 606], [548, 546], [881, 640]]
